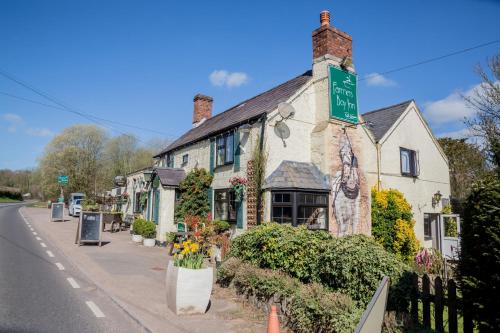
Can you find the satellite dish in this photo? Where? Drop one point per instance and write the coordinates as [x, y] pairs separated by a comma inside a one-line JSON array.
[[286, 110], [282, 131]]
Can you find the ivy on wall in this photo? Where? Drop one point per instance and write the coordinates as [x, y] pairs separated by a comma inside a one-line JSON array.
[[194, 194]]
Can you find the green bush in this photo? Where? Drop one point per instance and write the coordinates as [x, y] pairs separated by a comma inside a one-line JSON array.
[[353, 265], [283, 247], [194, 194], [148, 230], [306, 308], [221, 226], [138, 226], [392, 223], [479, 264], [10, 193]]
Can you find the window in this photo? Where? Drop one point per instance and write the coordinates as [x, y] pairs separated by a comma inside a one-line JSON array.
[[409, 162], [296, 208], [170, 161], [428, 222], [225, 149], [137, 202], [225, 205], [185, 159]]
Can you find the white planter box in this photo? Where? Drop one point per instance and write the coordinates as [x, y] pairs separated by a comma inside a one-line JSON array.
[[149, 242], [188, 290], [137, 238]]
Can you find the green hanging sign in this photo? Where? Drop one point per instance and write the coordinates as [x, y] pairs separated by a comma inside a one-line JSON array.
[[63, 180], [343, 98]]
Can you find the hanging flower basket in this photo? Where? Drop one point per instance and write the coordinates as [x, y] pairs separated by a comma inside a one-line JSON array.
[[238, 185]]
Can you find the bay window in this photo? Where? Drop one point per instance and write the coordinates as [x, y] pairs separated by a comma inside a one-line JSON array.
[[300, 208]]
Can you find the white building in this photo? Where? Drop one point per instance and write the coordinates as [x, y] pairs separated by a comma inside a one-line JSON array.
[[322, 156]]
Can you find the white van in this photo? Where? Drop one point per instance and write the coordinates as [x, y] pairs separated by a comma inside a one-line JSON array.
[[74, 202]]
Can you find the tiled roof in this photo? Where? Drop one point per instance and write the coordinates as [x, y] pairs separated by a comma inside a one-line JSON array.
[[296, 175], [170, 176], [244, 111], [381, 120]]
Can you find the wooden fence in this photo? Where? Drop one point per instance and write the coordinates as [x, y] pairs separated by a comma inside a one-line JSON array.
[[440, 297]]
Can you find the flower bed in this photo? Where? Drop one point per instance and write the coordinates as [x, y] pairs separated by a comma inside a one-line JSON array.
[[303, 308]]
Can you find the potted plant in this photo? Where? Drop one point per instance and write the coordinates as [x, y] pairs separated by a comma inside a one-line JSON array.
[[137, 228], [188, 282], [149, 233], [238, 184]]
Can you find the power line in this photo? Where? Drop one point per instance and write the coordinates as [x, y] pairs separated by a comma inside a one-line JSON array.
[[426, 61], [63, 109], [63, 106]]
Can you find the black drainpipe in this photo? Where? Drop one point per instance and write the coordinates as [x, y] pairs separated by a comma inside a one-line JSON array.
[[261, 147]]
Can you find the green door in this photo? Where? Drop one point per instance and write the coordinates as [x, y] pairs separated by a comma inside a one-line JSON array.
[[156, 206]]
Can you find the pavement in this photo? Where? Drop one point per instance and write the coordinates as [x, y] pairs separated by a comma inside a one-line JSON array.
[[41, 292], [133, 277]]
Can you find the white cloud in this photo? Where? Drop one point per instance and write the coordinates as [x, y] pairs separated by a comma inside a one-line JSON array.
[[378, 80], [450, 109], [12, 118], [222, 77], [39, 132], [458, 134]]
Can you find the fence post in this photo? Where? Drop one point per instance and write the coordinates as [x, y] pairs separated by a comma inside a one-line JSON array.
[[414, 298], [452, 307], [426, 287], [438, 304]]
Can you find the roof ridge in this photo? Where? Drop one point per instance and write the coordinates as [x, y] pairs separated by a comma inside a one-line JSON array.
[[388, 107], [262, 93]]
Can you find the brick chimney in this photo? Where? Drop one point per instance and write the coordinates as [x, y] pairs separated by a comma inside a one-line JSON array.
[[202, 109], [328, 40]]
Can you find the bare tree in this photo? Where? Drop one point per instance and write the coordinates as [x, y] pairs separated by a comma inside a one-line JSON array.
[[486, 101]]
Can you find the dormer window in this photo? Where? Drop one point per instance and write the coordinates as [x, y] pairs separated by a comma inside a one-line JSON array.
[[409, 162], [225, 149]]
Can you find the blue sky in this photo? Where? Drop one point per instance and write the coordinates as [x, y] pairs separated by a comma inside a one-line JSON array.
[[141, 62]]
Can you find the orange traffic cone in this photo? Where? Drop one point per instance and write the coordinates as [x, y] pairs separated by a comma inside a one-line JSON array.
[[273, 323]]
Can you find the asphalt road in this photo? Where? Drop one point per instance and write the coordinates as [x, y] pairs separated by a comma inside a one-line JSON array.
[[38, 296]]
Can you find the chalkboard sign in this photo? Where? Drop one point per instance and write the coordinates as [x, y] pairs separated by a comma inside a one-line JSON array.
[[57, 212], [89, 228]]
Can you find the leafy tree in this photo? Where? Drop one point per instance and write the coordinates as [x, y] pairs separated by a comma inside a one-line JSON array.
[[486, 101], [194, 194], [467, 164], [479, 264], [392, 223]]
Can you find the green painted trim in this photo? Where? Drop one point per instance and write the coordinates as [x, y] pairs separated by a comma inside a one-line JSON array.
[[210, 200], [212, 156], [239, 215], [237, 151]]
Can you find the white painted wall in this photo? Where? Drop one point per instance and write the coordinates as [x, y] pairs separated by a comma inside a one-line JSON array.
[[412, 133], [166, 213]]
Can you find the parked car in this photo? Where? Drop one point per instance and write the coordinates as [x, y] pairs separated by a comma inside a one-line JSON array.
[[75, 200], [76, 207]]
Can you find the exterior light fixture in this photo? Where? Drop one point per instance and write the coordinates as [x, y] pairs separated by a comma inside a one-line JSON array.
[[147, 175], [436, 198], [245, 128]]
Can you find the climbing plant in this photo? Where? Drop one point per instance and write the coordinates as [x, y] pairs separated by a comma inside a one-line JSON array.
[[194, 194], [392, 223]]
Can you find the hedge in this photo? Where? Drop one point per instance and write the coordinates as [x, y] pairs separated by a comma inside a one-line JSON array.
[[11, 193], [304, 308], [479, 264], [353, 265]]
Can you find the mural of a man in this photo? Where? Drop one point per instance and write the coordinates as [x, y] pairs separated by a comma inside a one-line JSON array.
[[346, 188]]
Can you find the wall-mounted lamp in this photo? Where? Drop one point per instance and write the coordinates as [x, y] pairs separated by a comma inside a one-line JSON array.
[[147, 175], [436, 198], [245, 128]]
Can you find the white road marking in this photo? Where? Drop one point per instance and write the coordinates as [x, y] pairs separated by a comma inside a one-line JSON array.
[[95, 309], [73, 283], [34, 233], [50, 254], [43, 245], [60, 266], [38, 238]]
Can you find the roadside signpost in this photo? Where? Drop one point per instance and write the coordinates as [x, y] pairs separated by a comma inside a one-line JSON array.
[[343, 97], [89, 228], [57, 212], [62, 180]]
